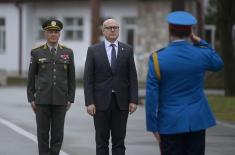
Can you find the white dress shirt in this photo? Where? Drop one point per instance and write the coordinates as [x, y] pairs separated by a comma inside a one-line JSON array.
[[108, 48], [50, 47]]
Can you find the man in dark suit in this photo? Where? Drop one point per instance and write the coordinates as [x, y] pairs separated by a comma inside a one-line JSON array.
[[111, 89], [51, 88]]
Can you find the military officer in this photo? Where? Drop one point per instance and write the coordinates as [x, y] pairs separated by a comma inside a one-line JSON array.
[[51, 87], [177, 110]]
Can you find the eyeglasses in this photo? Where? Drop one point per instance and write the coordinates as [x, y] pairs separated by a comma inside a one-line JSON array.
[[112, 27]]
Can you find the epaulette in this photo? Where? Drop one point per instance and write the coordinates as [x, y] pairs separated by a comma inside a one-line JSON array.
[[156, 63], [62, 46], [40, 46]]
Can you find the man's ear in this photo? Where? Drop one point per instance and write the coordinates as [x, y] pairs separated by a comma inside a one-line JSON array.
[[102, 30]]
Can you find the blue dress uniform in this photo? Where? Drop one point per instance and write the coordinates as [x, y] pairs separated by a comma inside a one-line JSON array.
[[51, 89], [175, 101]]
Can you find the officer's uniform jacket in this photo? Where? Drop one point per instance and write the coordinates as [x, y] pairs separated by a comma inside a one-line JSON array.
[[176, 103], [51, 78]]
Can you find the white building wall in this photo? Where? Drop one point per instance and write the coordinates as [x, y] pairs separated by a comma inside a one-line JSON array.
[[32, 12], [9, 58], [59, 10], [118, 11]]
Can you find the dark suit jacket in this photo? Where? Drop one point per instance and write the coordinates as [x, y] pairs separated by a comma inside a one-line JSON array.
[[51, 79], [99, 80]]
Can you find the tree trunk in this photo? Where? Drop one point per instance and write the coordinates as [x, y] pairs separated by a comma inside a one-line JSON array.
[[224, 23], [178, 5], [200, 18], [95, 21]]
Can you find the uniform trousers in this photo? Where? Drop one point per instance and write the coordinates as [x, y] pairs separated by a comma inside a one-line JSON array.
[[191, 143], [110, 121], [50, 128]]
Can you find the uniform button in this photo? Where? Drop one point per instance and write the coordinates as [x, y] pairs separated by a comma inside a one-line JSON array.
[[54, 63], [54, 83], [54, 70], [54, 76]]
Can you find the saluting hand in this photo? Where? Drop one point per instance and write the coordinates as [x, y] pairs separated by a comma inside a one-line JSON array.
[[33, 106], [194, 38], [91, 110], [132, 107]]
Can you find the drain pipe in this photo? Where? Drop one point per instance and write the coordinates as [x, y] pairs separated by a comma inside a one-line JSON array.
[[19, 6]]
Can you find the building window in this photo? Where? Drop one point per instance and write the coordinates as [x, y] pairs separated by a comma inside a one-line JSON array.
[[2, 35], [40, 34], [210, 34], [73, 28], [129, 29]]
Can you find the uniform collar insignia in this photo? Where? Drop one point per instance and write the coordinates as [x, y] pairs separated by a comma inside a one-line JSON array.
[[42, 59], [45, 46], [61, 47]]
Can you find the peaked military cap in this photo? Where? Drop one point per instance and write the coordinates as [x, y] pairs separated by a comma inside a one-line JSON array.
[[181, 18], [52, 24]]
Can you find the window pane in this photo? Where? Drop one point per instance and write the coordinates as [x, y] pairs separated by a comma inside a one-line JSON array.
[[130, 37], [4, 41], [2, 35], [130, 21], [40, 32], [40, 35], [69, 21], [80, 22], [1, 40], [41, 21], [208, 35], [69, 34], [79, 35], [2, 22], [73, 28]]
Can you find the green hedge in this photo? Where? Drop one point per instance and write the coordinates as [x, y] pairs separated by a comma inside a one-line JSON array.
[[223, 107]]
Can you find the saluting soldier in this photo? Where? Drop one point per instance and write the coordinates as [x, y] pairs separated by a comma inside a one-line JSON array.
[[177, 110], [51, 87]]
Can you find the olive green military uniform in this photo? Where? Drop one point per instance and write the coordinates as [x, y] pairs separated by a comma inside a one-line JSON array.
[[51, 77], [51, 84]]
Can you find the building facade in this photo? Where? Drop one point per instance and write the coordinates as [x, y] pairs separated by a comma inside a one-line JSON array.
[[142, 24]]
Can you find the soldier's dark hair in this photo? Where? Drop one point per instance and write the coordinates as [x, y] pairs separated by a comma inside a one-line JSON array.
[[181, 33]]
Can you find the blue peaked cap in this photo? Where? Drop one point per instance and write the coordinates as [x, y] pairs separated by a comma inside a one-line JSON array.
[[181, 18]]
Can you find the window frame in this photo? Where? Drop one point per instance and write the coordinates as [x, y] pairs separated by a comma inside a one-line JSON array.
[[74, 28], [3, 35], [126, 26], [40, 31]]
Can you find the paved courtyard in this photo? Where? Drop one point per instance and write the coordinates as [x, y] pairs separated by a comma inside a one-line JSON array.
[[18, 130]]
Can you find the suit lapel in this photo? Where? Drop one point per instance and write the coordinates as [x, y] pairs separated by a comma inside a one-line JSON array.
[[120, 54]]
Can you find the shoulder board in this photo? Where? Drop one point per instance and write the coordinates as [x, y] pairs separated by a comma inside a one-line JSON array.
[[62, 46], [40, 46], [156, 65]]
